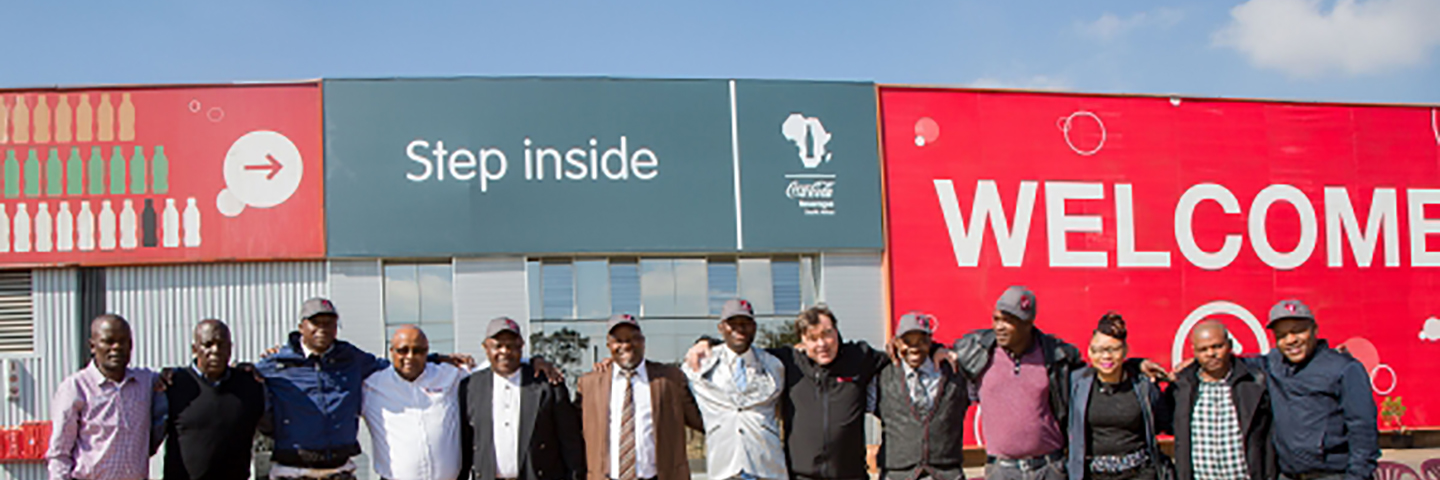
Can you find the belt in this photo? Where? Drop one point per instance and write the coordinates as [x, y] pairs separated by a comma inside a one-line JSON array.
[[1032, 463], [333, 476], [1313, 475], [1118, 463]]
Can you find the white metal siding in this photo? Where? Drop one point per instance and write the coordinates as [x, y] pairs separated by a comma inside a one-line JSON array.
[[260, 302], [56, 357], [357, 287], [852, 285], [486, 288]]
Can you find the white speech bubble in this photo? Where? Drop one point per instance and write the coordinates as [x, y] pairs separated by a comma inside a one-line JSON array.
[[262, 170]]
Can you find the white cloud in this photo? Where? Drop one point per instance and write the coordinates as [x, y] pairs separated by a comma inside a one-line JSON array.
[[1304, 39], [1111, 26], [1431, 330], [1037, 82]]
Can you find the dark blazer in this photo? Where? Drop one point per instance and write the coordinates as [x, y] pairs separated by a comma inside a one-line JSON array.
[[550, 445], [1252, 404], [672, 408]]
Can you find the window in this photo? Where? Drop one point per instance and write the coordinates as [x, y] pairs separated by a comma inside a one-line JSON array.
[[557, 289], [17, 313], [421, 294], [723, 280], [663, 287], [625, 286], [785, 282]]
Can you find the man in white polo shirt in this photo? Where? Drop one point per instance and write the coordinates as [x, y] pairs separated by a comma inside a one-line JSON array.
[[413, 412]]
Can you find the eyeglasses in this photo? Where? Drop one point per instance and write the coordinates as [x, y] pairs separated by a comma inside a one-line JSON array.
[[1107, 351], [411, 350]]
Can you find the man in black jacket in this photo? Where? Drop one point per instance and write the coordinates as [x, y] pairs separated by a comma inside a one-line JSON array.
[[1222, 413], [515, 426], [922, 406], [214, 410]]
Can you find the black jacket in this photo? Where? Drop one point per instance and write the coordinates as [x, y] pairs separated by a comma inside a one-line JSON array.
[[550, 444], [976, 347], [1252, 404], [211, 428], [826, 404]]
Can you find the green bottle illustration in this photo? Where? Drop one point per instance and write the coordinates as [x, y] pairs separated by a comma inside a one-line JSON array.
[[54, 174], [97, 172], [32, 174], [137, 171], [73, 173], [117, 172], [12, 175], [161, 165]]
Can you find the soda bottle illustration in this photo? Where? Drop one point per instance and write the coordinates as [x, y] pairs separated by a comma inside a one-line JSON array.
[[192, 223], [20, 121], [42, 120], [12, 175], [161, 167], [85, 226], [63, 120], [117, 172], [32, 174], [54, 174], [128, 237], [171, 225], [105, 120], [148, 235], [97, 172], [107, 226], [64, 228], [22, 229], [137, 171], [127, 118], [84, 118], [73, 173], [4, 230], [44, 229]]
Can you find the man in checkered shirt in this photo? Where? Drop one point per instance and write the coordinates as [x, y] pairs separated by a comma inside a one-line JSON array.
[[1222, 413]]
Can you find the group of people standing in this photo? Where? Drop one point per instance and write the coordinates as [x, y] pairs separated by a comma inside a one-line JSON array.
[[1301, 412]]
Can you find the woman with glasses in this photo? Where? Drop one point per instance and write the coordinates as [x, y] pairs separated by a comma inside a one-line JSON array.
[[1115, 413]]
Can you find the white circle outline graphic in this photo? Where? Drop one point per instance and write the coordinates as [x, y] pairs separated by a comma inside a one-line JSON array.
[[1064, 125], [1212, 308], [1394, 379]]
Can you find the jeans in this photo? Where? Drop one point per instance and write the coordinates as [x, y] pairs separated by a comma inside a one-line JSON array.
[[1053, 470]]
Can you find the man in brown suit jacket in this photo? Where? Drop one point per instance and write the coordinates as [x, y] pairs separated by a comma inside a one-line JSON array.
[[635, 433]]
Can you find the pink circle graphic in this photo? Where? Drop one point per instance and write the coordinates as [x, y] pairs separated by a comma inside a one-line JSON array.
[[215, 114], [927, 131], [194, 106], [1083, 132]]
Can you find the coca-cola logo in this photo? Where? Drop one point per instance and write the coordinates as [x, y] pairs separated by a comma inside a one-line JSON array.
[[816, 189]]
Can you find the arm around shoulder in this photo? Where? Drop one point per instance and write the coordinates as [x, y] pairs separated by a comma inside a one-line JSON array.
[[1359, 406]]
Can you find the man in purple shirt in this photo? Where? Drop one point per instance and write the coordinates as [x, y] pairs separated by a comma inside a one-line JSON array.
[[107, 414], [1024, 389]]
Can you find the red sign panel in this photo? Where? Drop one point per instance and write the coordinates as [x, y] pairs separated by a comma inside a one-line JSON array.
[[159, 175], [1172, 211]]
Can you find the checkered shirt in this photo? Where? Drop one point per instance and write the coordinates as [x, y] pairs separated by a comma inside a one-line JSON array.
[[1216, 445]]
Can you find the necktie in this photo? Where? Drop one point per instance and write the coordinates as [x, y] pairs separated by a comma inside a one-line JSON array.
[[627, 428], [918, 393], [740, 374]]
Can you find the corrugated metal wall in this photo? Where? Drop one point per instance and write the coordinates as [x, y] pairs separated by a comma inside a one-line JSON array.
[[55, 358], [260, 302]]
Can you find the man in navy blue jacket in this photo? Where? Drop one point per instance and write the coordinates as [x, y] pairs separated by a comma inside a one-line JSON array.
[[1324, 425], [314, 384]]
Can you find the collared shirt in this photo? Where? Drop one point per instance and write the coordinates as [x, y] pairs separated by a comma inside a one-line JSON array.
[[644, 422], [1017, 419], [213, 383], [505, 419], [103, 428], [414, 425], [743, 431], [929, 379], [1216, 444]]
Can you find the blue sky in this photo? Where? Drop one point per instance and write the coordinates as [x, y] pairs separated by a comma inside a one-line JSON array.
[[1345, 50]]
